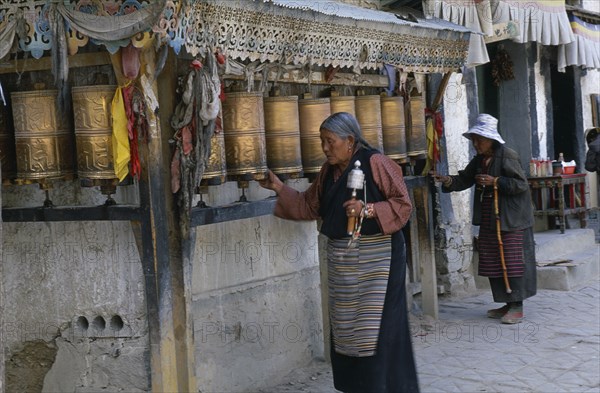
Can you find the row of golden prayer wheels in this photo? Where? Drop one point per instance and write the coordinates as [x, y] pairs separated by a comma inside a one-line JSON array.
[[42, 146], [279, 132], [282, 132]]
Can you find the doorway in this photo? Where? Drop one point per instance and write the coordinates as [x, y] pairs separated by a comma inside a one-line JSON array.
[[563, 114]]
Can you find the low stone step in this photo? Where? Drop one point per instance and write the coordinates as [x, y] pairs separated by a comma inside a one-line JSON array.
[[585, 266], [552, 245]]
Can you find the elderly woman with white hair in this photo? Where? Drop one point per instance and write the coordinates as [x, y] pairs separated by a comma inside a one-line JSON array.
[[371, 349], [512, 260]]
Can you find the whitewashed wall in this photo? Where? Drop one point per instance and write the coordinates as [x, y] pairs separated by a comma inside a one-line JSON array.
[[591, 5], [541, 107], [456, 271], [590, 84]]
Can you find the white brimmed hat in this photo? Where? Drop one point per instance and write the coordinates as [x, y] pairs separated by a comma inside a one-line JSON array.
[[486, 126]]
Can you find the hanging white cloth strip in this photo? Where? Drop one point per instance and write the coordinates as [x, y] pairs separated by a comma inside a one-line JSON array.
[[475, 15], [585, 50], [7, 37], [542, 21]]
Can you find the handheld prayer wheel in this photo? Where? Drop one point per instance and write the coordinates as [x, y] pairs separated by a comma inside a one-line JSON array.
[[394, 128], [244, 132], [342, 103], [282, 132], [7, 146], [415, 129], [93, 131], [312, 111], [368, 115], [44, 144], [215, 172]]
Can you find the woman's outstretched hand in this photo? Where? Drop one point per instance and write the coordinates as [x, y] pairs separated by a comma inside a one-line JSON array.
[[445, 180], [271, 182]]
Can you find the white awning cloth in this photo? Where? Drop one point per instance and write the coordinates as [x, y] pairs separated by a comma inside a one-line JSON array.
[[585, 50], [542, 21]]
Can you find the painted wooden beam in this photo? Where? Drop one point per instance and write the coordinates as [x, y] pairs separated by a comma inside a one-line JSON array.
[[45, 63], [318, 78]]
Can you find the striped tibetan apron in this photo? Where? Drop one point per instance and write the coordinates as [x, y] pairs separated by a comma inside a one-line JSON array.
[[489, 251], [358, 278]]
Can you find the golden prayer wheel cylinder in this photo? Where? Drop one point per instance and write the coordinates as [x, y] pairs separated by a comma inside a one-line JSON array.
[[7, 146], [93, 131], [343, 104], [312, 111], [368, 114], [44, 144], [394, 128], [416, 139], [282, 132], [244, 129], [215, 172]]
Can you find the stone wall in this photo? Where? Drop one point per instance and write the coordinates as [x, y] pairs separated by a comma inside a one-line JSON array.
[[77, 315], [256, 297]]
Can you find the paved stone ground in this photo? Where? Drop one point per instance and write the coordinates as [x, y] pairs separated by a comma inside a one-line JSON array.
[[555, 349]]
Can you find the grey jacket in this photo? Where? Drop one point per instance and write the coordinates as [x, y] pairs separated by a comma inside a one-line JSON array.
[[592, 158], [515, 204]]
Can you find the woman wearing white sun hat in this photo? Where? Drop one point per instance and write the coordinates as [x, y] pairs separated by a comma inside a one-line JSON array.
[[511, 261]]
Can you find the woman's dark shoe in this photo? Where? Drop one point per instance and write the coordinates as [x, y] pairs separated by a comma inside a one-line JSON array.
[[514, 315], [498, 313]]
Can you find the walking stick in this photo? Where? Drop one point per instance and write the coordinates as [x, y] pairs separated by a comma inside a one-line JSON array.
[[499, 234]]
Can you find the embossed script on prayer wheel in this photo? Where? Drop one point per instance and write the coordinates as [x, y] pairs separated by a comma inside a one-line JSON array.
[[282, 132], [244, 128], [368, 114], [312, 111], [216, 167], [415, 129], [93, 131], [44, 145], [343, 104], [7, 146], [394, 128]]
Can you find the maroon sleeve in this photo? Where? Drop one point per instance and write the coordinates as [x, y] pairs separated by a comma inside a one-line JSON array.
[[296, 205], [393, 213]]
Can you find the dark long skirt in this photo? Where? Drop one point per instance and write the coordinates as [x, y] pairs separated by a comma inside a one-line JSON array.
[[524, 286], [392, 369]]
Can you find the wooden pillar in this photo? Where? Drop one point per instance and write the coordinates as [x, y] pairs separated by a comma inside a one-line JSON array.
[[424, 208], [1, 299], [159, 241]]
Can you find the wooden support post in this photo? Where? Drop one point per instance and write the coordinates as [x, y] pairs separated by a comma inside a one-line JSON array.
[[159, 242], [2, 346], [424, 208], [437, 101]]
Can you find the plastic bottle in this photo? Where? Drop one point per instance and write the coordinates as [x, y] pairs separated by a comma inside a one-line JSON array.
[[532, 169]]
